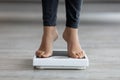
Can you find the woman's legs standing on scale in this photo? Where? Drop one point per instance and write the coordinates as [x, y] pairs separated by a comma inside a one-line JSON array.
[[70, 33]]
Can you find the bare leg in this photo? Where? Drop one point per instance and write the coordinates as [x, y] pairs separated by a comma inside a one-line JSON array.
[[46, 48], [70, 35]]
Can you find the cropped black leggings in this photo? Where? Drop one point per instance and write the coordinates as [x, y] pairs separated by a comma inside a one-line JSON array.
[[73, 8]]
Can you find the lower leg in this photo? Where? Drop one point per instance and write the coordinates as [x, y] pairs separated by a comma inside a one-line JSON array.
[[73, 8], [50, 34], [70, 34]]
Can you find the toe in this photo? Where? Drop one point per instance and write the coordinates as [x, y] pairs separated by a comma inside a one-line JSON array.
[[77, 55], [82, 54], [73, 55], [39, 53]]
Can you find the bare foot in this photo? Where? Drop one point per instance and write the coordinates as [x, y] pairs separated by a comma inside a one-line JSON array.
[[49, 36], [70, 35]]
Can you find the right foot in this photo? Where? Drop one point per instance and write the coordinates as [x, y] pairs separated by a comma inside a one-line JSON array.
[[49, 36]]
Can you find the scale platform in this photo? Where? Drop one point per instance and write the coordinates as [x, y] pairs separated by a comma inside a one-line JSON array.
[[60, 60]]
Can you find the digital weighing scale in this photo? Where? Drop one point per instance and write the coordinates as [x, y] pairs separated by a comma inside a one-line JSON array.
[[60, 60]]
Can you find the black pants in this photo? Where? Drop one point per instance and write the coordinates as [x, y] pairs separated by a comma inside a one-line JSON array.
[[49, 8]]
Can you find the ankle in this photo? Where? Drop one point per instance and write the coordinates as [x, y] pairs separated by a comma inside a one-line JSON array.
[[50, 32], [71, 35]]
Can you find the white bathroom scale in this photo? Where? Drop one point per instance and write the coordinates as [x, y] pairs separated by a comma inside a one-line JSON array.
[[60, 60]]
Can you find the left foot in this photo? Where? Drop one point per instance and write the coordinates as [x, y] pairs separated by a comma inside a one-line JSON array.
[[70, 35]]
